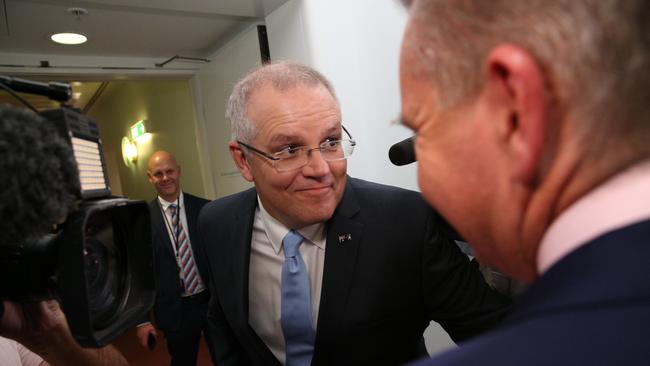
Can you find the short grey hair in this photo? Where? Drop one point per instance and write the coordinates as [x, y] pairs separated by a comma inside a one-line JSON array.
[[595, 53], [282, 76]]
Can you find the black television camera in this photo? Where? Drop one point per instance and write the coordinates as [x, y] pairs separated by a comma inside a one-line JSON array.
[[99, 262]]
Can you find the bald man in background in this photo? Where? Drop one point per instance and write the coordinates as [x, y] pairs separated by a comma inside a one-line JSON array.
[[181, 293]]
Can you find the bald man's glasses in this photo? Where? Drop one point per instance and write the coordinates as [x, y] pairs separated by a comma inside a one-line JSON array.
[[292, 158]]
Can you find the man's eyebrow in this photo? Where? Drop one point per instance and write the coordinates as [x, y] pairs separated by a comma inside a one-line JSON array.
[[282, 138], [289, 138], [333, 130]]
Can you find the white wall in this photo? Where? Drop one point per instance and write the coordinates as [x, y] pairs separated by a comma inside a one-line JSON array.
[[355, 44], [212, 86]]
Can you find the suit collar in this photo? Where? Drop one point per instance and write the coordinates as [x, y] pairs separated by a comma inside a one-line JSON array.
[[611, 269], [616, 203]]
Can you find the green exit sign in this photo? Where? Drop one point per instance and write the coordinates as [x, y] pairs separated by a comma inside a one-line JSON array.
[[138, 130]]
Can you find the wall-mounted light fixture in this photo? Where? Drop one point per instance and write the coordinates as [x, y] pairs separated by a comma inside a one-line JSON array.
[[137, 135], [129, 151]]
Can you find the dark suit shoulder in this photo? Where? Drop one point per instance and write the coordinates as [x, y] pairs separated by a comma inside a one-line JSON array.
[[194, 199], [235, 203]]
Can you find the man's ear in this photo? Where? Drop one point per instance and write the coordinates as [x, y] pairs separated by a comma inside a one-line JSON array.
[[149, 177], [239, 158], [515, 81]]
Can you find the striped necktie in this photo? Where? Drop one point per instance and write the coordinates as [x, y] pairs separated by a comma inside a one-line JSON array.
[[189, 275]]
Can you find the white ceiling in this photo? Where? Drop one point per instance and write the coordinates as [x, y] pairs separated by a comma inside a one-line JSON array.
[[128, 28], [126, 39]]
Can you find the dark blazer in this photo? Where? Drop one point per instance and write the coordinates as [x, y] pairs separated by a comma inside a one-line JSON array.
[[380, 289], [590, 308], [168, 284]]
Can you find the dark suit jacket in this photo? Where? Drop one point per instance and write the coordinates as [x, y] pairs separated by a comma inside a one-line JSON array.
[[168, 285], [380, 289], [590, 308]]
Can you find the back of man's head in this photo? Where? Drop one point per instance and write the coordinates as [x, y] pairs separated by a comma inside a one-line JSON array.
[[595, 53]]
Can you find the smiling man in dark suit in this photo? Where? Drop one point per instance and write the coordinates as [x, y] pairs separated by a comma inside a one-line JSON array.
[[314, 267], [539, 120], [181, 292]]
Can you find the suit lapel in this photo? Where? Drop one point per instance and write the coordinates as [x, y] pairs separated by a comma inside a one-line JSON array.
[[239, 272], [191, 214], [344, 234], [241, 249], [160, 228]]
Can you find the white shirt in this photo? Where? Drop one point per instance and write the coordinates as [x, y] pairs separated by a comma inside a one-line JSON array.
[[172, 238], [621, 201], [265, 275], [15, 354]]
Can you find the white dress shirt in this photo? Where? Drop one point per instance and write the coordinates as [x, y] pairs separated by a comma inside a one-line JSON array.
[[621, 201], [172, 238], [265, 275]]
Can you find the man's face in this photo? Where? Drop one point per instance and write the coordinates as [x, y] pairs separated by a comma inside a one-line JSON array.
[[300, 116], [165, 174], [458, 164]]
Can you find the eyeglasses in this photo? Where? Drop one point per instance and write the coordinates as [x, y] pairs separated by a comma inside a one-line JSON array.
[[292, 158]]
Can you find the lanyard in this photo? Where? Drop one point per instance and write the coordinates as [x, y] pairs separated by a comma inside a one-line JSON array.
[[169, 225]]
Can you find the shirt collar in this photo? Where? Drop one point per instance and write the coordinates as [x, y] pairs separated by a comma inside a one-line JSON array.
[[620, 201], [275, 230], [165, 204]]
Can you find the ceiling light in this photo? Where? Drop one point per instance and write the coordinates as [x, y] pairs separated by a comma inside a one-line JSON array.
[[72, 37], [69, 38]]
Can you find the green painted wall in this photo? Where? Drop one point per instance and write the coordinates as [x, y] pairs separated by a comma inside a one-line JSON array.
[[166, 107]]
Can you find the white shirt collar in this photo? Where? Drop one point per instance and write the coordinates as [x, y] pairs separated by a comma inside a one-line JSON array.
[[621, 201], [275, 230], [164, 203]]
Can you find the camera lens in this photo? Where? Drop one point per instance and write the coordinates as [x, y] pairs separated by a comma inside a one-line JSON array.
[[104, 268]]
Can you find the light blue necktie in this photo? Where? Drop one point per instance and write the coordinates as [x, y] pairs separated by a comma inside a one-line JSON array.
[[295, 317]]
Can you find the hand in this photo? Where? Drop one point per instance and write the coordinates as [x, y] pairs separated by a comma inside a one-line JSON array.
[[31, 323], [143, 334], [43, 329]]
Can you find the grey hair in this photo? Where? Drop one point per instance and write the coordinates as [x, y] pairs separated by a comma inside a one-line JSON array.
[[282, 76], [595, 54]]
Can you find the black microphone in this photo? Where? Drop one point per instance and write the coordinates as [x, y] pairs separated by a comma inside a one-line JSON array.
[[403, 152], [53, 90]]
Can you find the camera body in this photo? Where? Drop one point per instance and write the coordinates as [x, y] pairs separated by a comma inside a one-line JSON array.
[[99, 262]]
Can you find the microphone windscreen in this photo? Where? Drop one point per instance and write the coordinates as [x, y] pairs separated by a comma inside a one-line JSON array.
[[403, 152], [39, 175]]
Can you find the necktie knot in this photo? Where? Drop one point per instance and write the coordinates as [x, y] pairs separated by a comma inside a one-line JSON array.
[[291, 243], [172, 209]]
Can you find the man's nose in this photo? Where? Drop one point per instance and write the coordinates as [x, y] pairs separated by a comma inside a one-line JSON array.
[[316, 165]]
